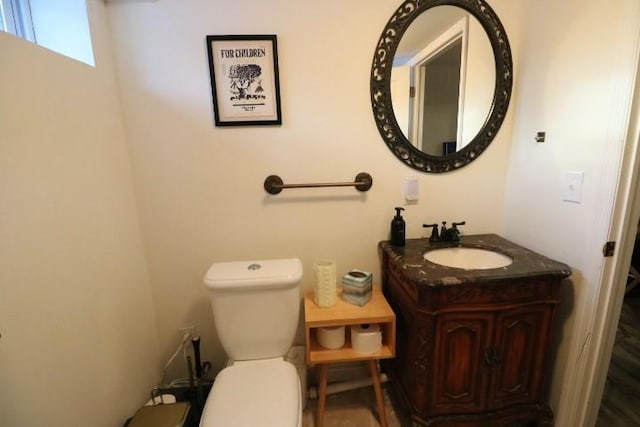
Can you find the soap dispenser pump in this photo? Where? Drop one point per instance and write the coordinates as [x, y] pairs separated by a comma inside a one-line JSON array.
[[398, 229]]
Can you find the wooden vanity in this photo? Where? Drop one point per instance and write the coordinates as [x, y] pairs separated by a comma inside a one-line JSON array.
[[472, 346]]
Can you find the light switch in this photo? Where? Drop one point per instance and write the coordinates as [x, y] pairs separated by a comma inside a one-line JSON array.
[[411, 189], [573, 186]]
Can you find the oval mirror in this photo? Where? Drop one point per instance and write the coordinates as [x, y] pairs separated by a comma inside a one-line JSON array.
[[441, 82]]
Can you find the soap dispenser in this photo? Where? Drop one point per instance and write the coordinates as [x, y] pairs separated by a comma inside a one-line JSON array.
[[397, 229]]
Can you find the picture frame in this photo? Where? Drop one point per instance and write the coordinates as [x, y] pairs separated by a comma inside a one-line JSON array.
[[245, 82]]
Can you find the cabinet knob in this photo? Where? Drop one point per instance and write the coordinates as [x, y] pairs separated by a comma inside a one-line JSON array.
[[488, 358], [492, 357], [497, 357]]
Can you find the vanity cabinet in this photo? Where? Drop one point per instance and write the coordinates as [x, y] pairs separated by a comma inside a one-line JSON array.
[[471, 347]]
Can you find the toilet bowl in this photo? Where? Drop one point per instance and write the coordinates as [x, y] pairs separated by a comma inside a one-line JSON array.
[[255, 305], [263, 393]]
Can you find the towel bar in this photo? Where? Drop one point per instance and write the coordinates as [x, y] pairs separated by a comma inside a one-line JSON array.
[[273, 184]]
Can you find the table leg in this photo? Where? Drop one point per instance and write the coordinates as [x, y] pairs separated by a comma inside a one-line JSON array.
[[322, 392], [375, 376]]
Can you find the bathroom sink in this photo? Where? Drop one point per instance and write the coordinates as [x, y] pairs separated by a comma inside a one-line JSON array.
[[468, 258]]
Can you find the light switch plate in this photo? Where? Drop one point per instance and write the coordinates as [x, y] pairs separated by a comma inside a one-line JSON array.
[[411, 189], [572, 186]]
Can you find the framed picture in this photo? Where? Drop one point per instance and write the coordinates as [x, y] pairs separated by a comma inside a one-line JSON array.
[[244, 80]]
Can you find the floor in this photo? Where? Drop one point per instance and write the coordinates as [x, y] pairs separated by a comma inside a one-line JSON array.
[[621, 401], [355, 408]]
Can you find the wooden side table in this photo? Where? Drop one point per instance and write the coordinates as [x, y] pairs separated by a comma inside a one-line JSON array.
[[375, 311]]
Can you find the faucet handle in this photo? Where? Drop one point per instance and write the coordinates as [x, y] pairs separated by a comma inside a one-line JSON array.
[[434, 232], [454, 233], [456, 224]]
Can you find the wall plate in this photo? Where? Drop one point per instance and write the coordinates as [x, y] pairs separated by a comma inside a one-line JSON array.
[[411, 189], [572, 186]]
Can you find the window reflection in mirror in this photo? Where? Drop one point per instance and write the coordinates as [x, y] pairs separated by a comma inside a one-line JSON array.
[[443, 80]]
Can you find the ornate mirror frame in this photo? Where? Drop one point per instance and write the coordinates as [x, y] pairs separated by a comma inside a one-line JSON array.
[[383, 113]]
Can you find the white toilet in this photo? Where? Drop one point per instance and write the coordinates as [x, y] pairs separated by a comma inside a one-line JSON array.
[[255, 306]]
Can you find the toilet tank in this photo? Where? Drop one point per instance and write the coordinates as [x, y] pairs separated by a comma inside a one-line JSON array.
[[256, 305]]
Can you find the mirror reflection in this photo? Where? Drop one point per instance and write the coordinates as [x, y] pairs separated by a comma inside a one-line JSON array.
[[473, 124], [443, 80]]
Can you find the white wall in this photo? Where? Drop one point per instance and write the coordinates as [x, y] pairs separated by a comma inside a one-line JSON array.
[[199, 187], [575, 76], [78, 343]]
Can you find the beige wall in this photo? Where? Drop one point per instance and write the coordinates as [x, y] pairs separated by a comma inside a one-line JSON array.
[[199, 187], [78, 343]]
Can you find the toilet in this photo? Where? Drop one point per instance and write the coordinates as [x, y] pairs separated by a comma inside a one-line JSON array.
[[255, 307]]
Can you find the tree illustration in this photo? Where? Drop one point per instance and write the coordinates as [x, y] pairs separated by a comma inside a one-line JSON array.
[[242, 76]]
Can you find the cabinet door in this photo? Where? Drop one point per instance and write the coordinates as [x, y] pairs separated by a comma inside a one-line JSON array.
[[519, 355], [459, 371]]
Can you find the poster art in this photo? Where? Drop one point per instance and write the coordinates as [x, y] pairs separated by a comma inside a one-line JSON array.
[[244, 80]]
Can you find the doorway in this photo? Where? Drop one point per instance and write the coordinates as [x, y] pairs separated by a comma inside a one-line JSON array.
[[618, 305], [437, 100], [621, 396]]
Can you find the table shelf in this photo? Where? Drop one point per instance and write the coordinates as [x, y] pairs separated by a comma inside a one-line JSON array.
[[342, 313], [376, 311]]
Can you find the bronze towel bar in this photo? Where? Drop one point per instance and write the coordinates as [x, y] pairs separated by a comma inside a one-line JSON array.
[[273, 183]]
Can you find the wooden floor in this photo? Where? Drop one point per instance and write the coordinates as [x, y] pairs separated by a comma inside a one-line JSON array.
[[621, 401], [355, 408]]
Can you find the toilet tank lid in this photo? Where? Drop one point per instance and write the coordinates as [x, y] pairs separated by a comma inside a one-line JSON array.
[[273, 273]]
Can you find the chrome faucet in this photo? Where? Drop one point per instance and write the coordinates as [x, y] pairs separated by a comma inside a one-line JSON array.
[[451, 234]]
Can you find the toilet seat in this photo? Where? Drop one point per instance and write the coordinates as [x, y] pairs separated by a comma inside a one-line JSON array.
[[254, 393]]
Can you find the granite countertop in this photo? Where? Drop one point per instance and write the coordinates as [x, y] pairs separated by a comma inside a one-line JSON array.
[[421, 272]]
